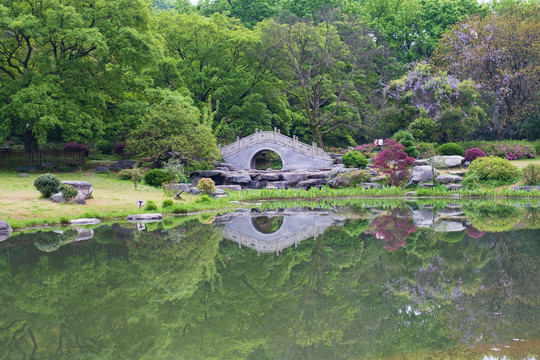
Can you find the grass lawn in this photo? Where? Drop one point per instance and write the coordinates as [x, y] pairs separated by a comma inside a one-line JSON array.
[[19, 199], [522, 163]]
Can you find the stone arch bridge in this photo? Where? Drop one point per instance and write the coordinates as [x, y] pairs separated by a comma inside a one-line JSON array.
[[293, 153]]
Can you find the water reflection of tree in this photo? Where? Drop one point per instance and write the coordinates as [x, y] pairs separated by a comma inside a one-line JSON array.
[[180, 293], [393, 228]]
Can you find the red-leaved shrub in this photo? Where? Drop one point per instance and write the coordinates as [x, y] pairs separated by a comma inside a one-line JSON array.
[[73, 146], [394, 162], [472, 154], [119, 148]]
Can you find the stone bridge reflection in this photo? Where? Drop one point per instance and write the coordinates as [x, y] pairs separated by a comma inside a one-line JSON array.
[[274, 231]]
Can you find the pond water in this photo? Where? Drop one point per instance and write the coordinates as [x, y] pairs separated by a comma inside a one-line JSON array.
[[351, 282]]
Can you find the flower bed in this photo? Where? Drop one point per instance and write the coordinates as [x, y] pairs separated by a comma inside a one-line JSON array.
[[511, 150]]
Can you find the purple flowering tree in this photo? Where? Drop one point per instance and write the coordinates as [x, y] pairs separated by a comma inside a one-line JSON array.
[[500, 53], [450, 102]]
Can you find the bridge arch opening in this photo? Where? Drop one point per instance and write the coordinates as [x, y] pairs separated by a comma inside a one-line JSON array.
[[267, 224], [266, 159]]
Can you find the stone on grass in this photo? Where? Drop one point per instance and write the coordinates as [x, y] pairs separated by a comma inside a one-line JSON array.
[[454, 186], [47, 165], [58, 197], [235, 202], [458, 173], [219, 192], [82, 186], [101, 169], [84, 221], [448, 179], [5, 230], [80, 199], [123, 165], [427, 185], [23, 175], [194, 191], [152, 217], [26, 168], [421, 174]]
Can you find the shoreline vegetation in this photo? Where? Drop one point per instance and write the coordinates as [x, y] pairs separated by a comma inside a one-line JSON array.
[[115, 199]]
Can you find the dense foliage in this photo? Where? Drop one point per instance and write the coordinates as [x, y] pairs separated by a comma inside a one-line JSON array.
[[394, 162], [494, 168], [68, 191], [157, 177], [47, 185], [531, 174], [206, 186], [473, 153], [168, 77], [354, 159]]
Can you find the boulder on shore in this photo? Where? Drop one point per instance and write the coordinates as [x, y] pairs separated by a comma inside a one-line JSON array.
[[448, 179], [421, 174], [446, 161]]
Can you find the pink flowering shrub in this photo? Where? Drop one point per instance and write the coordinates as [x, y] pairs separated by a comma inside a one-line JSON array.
[[367, 150], [472, 154], [510, 150]]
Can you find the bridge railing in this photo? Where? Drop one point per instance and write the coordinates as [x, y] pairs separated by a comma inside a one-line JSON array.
[[274, 137]]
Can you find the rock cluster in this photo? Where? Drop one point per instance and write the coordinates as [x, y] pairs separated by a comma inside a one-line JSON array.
[[260, 179], [5, 230], [84, 191]]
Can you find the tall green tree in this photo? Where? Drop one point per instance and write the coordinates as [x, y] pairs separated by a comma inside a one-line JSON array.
[[64, 65], [215, 58], [324, 67]]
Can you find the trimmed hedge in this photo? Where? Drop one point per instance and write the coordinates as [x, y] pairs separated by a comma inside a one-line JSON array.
[[494, 168], [450, 149], [157, 177]]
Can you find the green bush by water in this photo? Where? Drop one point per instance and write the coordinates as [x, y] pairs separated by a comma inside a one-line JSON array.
[[494, 168], [157, 177]]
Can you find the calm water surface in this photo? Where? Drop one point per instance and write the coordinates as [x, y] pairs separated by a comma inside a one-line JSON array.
[[353, 282]]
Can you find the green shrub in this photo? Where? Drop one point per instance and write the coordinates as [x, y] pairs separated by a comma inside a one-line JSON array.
[[156, 177], [68, 191], [426, 150], [150, 206], [407, 140], [167, 203], [470, 180], [47, 185], [450, 149], [204, 198], [353, 178], [177, 170], [125, 174], [531, 174], [424, 129], [353, 159], [206, 185], [106, 147], [494, 168]]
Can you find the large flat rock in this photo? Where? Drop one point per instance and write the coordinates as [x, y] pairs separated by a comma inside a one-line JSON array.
[[82, 186], [422, 174], [446, 161]]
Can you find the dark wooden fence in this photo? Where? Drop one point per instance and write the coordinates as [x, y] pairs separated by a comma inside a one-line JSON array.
[[56, 157]]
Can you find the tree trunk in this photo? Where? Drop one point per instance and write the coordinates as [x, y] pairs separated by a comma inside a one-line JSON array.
[[30, 142], [317, 136]]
